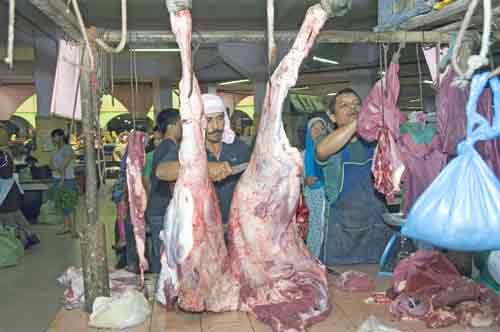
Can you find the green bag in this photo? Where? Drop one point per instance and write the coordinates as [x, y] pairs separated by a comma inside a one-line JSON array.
[[11, 249], [49, 215], [63, 198]]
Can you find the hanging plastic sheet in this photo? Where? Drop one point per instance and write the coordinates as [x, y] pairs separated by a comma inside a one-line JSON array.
[[461, 208], [66, 92]]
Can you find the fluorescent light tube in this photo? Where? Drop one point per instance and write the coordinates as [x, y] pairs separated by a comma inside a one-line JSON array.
[[171, 50], [234, 82], [332, 94], [331, 62], [299, 89]]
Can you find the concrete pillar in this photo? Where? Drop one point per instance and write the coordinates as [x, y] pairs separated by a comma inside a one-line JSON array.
[[212, 88], [45, 50], [259, 95], [162, 95]]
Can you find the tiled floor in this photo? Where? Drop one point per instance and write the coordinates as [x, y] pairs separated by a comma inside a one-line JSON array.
[[29, 293], [29, 297], [349, 312]]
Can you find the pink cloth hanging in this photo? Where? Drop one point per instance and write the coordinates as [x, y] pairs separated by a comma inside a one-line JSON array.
[[423, 164], [66, 92], [451, 121]]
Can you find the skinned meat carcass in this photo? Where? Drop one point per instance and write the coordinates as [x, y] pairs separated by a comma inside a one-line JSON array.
[[136, 159], [282, 284], [195, 266]]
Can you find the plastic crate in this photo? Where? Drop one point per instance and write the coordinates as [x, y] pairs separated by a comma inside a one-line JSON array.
[[392, 13]]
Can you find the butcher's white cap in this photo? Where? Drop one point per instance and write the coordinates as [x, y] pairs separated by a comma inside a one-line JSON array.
[[212, 104]]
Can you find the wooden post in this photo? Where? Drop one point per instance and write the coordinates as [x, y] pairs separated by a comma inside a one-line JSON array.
[[93, 242]]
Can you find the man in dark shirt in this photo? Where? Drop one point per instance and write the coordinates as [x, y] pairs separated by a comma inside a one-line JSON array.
[[168, 123], [224, 151]]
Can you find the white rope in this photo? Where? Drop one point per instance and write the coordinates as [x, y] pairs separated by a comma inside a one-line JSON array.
[[10, 49], [123, 39], [132, 92], [420, 86], [475, 61], [84, 33], [112, 74], [136, 89], [271, 44]]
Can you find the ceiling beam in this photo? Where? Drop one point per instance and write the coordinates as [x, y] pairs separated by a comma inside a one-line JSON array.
[[476, 20], [57, 11], [149, 37], [451, 13]]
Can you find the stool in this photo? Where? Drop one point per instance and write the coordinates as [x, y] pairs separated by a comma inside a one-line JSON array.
[[398, 248]]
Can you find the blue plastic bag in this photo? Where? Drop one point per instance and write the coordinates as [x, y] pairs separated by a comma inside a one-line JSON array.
[[461, 209]]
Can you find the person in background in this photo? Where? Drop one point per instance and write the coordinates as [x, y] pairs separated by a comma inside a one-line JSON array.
[[168, 124], [240, 122], [10, 196], [121, 146], [119, 195], [224, 150], [355, 231], [314, 193], [153, 143], [63, 172]]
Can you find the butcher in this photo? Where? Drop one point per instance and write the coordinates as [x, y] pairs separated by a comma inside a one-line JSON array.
[[169, 125], [355, 231], [224, 152]]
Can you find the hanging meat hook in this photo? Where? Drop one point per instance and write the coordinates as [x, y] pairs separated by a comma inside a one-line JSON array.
[[123, 39]]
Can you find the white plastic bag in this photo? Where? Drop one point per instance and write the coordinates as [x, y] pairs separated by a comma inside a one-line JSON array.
[[128, 309], [372, 324]]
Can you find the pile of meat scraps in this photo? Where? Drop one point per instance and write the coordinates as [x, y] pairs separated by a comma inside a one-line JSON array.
[[74, 296], [428, 287], [355, 281]]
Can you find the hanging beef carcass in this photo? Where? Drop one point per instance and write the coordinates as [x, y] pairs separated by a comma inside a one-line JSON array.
[[282, 284], [195, 266]]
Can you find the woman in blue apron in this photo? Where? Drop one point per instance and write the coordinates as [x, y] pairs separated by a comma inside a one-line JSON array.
[[355, 231]]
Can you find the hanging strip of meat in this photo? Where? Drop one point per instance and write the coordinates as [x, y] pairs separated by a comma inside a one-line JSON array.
[[136, 159], [379, 119], [282, 284], [196, 265]]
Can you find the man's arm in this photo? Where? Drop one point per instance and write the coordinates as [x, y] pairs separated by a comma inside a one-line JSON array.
[[335, 141], [169, 171]]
